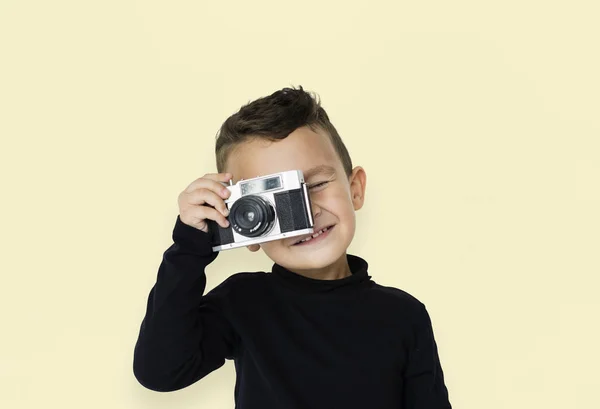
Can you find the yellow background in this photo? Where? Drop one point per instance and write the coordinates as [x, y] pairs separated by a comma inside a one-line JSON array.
[[477, 123]]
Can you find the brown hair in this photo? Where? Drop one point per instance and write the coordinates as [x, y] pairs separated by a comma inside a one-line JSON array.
[[273, 118]]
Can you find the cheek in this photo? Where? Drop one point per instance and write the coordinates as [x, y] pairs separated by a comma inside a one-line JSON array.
[[343, 209], [271, 248], [340, 204], [268, 246]]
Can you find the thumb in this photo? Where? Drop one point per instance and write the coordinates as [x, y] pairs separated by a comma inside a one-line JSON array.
[[253, 247]]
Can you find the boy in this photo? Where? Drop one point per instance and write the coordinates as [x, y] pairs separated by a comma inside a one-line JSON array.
[[315, 332]]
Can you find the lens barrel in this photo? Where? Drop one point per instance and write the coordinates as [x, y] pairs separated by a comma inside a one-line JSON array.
[[251, 216]]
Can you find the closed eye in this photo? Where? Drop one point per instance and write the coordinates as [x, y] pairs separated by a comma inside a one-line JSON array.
[[320, 184]]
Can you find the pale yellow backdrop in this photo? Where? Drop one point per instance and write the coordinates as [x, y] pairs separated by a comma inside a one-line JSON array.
[[477, 123]]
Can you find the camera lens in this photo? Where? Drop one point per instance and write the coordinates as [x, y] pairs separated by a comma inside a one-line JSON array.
[[252, 216]]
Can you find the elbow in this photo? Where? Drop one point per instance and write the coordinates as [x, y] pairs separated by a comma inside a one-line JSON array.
[[149, 380], [154, 373]]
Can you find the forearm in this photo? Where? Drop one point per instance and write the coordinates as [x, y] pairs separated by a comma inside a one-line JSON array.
[[183, 336]]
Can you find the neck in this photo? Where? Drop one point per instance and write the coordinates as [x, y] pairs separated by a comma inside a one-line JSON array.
[[339, 269]]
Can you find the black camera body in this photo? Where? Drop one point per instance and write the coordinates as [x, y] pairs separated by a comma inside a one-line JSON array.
[[264, 208]]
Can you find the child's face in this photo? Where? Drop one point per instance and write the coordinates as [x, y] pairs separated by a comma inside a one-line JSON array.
[[333, 203]]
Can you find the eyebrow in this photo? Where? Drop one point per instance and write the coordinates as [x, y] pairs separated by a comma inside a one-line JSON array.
[[319, 170]]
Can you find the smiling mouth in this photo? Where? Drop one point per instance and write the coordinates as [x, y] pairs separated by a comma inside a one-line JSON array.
[[315, 235]]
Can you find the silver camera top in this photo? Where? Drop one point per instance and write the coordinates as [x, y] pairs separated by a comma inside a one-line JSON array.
[[287, 180]]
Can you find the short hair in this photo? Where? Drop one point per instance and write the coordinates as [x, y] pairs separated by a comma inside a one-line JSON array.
[[273, 118]]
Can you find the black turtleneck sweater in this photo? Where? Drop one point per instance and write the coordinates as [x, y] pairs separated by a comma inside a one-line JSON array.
[[296, 342]]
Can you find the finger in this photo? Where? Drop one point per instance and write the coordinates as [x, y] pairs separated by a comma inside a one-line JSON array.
[[220, 177], [209, 184], [202, 213], [253, 247], [217, 177], [204, 196]]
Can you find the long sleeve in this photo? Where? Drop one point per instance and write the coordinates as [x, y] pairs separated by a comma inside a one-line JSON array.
[[184, 334], [424, 386]]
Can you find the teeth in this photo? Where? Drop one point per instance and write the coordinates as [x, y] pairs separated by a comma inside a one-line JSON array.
[[313, 236]]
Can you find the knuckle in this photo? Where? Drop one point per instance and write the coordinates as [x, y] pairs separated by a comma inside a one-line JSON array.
[[218, 186], [196, 194], [210, 213]]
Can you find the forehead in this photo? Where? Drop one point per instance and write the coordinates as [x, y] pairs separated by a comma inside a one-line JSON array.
[[303, 149]]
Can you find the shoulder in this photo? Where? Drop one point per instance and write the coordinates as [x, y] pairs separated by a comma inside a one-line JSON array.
[[397, 300], [246, 282], [239, 289], [246, 278], [396, 294]]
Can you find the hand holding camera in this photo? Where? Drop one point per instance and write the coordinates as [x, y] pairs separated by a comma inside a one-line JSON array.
[[203, 200], [251, 212], [264, 208]]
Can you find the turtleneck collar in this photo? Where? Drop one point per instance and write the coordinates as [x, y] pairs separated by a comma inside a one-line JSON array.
[[358, 279]]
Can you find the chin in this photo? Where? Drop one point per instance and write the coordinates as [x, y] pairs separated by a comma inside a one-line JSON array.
[[307, 257], [316, 260]]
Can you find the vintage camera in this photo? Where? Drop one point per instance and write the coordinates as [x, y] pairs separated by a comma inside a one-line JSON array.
[[263, 209]]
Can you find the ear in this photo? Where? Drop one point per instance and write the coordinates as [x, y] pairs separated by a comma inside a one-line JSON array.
[[253, 247], [358, 185]]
